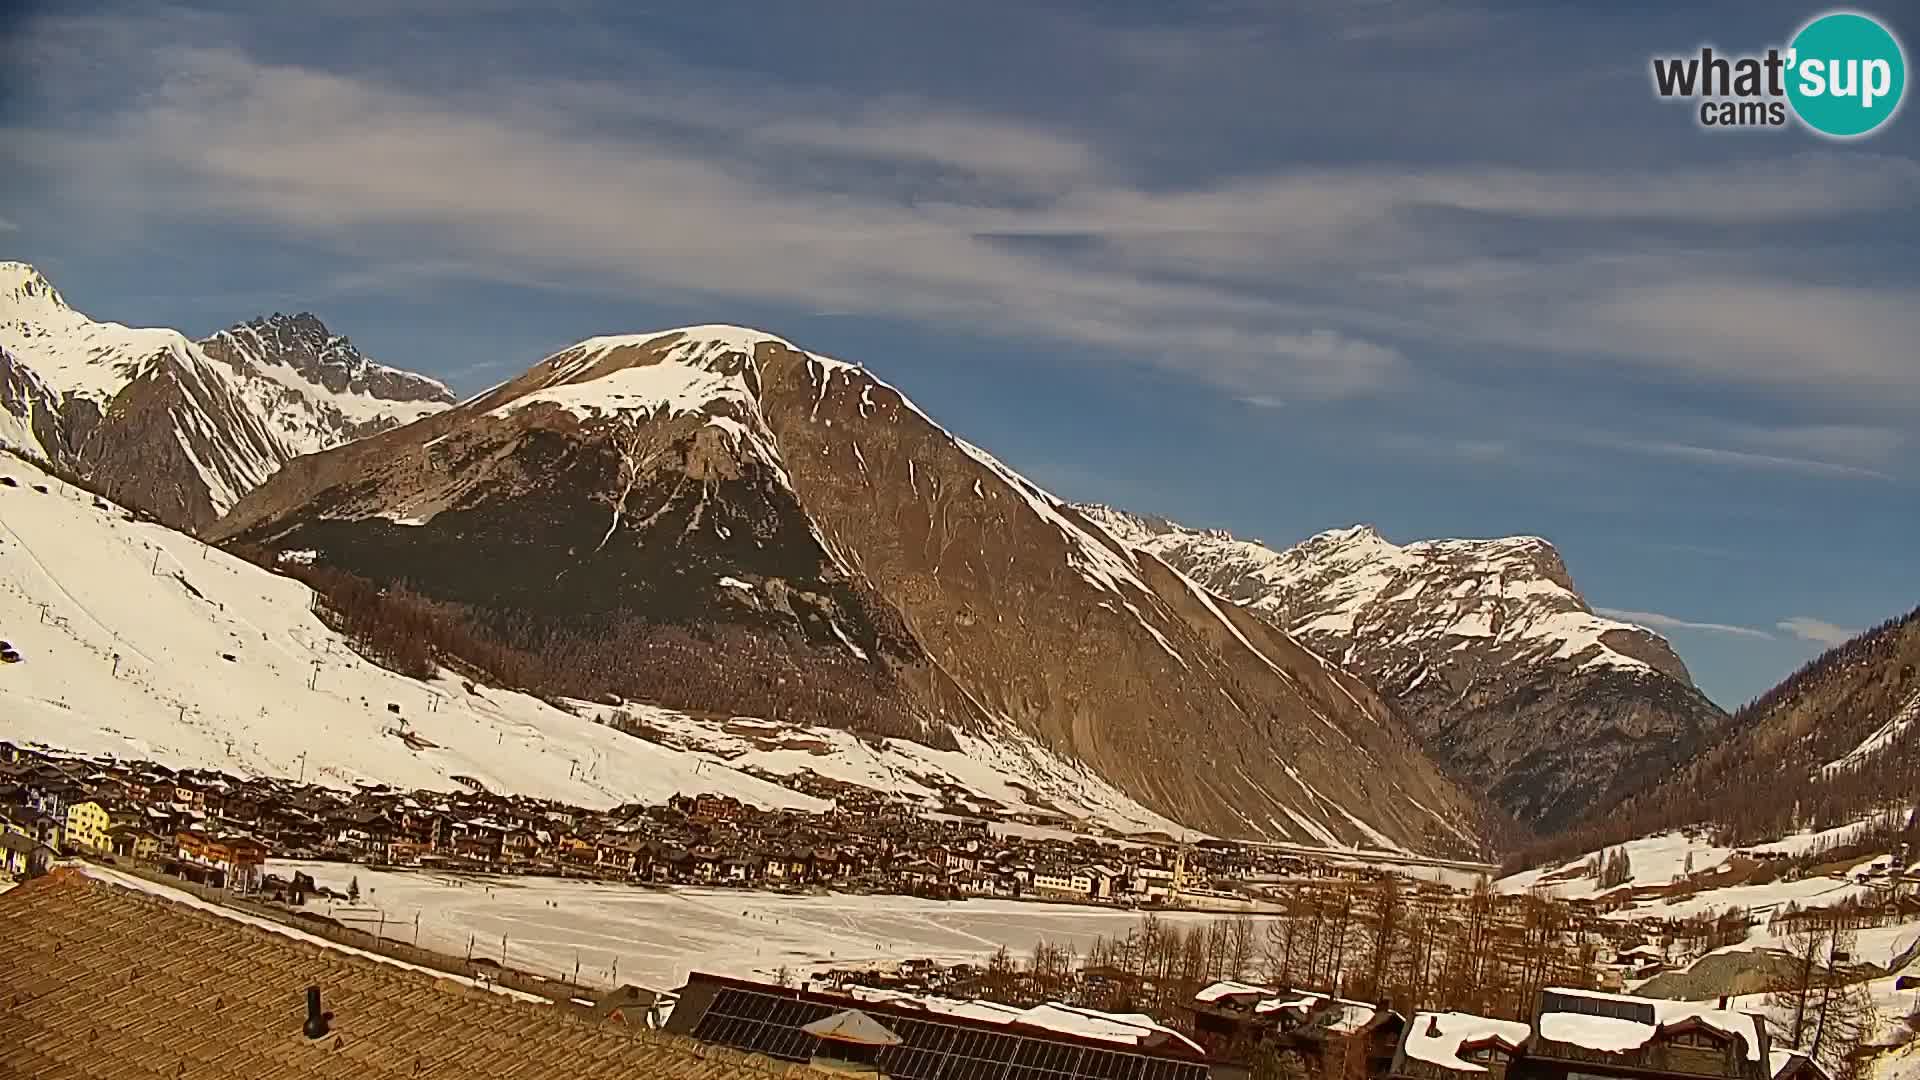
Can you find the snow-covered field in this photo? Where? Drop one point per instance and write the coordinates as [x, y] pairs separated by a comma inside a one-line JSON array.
[[658, 936], [142, 642], [1663, 859]]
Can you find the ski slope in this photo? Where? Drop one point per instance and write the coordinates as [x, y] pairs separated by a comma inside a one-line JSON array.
[[142, 642]]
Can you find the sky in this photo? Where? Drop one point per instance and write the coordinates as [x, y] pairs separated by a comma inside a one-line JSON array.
[[1443, 268]]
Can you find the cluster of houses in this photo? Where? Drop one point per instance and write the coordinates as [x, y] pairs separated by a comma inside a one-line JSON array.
[[218, 829], [1228, 1030], [1571, 1034], [196, 827]]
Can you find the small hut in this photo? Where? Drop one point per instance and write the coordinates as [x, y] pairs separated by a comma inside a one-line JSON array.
[[850, 1042]]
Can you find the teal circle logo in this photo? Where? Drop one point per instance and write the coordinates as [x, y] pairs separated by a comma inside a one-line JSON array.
[[1847, 74]]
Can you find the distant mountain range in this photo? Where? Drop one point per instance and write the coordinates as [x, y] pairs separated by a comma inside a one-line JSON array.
[[1507, 677], [177, 428]]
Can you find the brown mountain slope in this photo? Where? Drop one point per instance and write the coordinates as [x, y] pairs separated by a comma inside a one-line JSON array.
[[1836, 741], [711, 516]]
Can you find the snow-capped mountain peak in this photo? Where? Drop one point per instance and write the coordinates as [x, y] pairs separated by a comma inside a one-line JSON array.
[[1466, 635], [177, 428], [23, 290], [302, 342]]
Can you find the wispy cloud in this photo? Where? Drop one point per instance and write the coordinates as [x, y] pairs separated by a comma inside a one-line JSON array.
[[1669, 622], [1713, 455], [910, 209], [1846, 451], [8, 226], [1818, 631]]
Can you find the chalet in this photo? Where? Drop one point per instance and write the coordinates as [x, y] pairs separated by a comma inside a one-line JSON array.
[[619, 855], [1642, 961], [478, 841], [86, 826], [407, 852], [519, 845], [919, 872], [707, 807], [129, 842], [1582, 1034], [1102, 881], [704, 866], [1063, 883], [1794, 1065], [577, 851], [1152, 883], [1346, 1038], [37, 826], [365, 831], [23, 856], [49, 792]]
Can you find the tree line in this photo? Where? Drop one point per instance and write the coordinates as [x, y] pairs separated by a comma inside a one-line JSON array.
[[1767, 777], [1373, 942]]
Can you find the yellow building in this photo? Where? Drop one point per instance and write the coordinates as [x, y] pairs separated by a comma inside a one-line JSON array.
[[87, 824]]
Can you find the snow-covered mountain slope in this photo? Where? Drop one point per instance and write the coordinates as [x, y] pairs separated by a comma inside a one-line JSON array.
[[1509, 678], [140, 641], [713, 518], [160, 424]]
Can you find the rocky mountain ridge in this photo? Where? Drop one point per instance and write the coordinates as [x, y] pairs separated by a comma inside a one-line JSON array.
[[769, 524], [175, 428], [1506, 675]]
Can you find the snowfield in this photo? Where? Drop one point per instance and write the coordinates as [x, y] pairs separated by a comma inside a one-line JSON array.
[[658, 935], [1663, 859], [144, 643]]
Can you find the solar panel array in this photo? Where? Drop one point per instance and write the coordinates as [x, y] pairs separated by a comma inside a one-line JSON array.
[[1638, 1011], [929, 1049], [761, 1023]]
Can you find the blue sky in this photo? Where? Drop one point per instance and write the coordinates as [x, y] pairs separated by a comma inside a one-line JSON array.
[[1444, 268]]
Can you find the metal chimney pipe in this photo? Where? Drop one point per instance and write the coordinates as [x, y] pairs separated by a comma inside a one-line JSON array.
[[316, 1026]]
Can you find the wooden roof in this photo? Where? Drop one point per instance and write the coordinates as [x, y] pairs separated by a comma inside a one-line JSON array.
[[101, 981]]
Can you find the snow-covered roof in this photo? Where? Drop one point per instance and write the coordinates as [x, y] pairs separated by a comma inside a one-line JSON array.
[[1351, 1017], [1614, 1034], [1229, 988], [1132, 1029], [1438, 1037], [1779, 1060]]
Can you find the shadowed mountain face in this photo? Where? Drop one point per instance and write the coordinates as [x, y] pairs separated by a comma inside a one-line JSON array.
[[1507, 677], [717, 485]]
